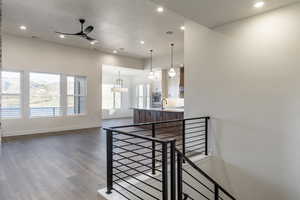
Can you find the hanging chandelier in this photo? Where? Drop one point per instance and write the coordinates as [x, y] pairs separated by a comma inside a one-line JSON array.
[[172, 72], [151, 73], [118, 86]]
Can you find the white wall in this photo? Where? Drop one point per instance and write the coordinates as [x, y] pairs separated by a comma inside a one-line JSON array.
[[35, 55], [246, 76]]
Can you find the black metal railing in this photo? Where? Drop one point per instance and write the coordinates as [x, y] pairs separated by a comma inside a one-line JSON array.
[[148, 150], [130, 159], [194, 183], [191, 134]]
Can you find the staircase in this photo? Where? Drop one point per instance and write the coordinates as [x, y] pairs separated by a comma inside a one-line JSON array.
[[160, 161]]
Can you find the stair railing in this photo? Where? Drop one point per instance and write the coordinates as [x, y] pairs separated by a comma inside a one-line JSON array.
[[181, 181], [128, 157], [149, 150]]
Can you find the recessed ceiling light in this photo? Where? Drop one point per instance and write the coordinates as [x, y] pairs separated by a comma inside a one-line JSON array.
[[259, 4], [62, 36], [115, 51], [160, 9], [142, 42], [182, 28], [23, 27]]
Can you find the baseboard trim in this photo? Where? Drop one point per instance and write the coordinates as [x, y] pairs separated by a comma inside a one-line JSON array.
[[49, 130]]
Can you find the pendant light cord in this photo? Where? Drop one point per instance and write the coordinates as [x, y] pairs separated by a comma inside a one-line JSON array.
[[151, 52], [172, 46]]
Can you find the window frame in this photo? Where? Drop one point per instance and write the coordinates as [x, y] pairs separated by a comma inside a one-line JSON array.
[[65, 96], [21, 94], [24, 94], [28, 114]]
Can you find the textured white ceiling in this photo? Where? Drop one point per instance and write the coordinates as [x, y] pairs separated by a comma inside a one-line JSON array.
[[114, 70], [212, 13], [123, 23], [118, 23]]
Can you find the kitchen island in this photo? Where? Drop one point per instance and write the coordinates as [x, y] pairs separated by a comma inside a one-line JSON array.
[[144, 115]]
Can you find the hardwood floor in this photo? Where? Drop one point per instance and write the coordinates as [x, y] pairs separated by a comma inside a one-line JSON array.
[[59, 167]]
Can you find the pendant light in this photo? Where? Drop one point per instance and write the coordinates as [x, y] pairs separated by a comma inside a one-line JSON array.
[[172, 72], [151, 74], [118, 87]]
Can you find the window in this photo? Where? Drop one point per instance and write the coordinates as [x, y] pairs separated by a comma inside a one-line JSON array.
[[140, 96], [11, 94], [76, 95], [110, 99], [148, 95], [44, 97]]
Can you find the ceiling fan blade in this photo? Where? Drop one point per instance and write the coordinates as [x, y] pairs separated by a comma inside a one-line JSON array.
[[67, 33], [90, 39], [88, 29]]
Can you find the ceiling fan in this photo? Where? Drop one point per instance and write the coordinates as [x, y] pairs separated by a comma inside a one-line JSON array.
[[83, 32]]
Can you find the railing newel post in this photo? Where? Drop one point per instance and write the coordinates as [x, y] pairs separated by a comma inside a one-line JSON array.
[[216, 192], [109, 160], [206, 136], [173, 169], [165, 185], [179, 176], [183, 136], [153, 149]]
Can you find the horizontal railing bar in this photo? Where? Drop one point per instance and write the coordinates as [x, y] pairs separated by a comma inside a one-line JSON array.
[[195, 145], [132, 176], [189, 197], [195, 189], [139, 136], [201, 122], [194, 136], [196, 149], [197, 180], [158, 122], [135, 155], [133, 144], [120, 140], [193, 151], [146, 157], [197, 118], [173, 137], [174, 132], [137, 187], [164, 127], [205, 175], [127, 190], [193, 141], [134, 161], [125, 170], [190, 128], [136, 144], [139, 171], [138, 131], [199, 131], [131, 164]]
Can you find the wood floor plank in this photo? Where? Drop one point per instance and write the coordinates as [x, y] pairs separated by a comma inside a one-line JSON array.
[[55, 167]]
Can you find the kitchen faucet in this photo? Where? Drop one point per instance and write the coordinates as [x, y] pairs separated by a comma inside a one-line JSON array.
[[162, 103]]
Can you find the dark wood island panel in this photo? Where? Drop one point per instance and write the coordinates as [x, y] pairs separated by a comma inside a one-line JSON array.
[[155, 115]]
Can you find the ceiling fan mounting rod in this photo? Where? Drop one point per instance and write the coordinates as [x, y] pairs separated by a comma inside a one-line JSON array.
[[82, 21]]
